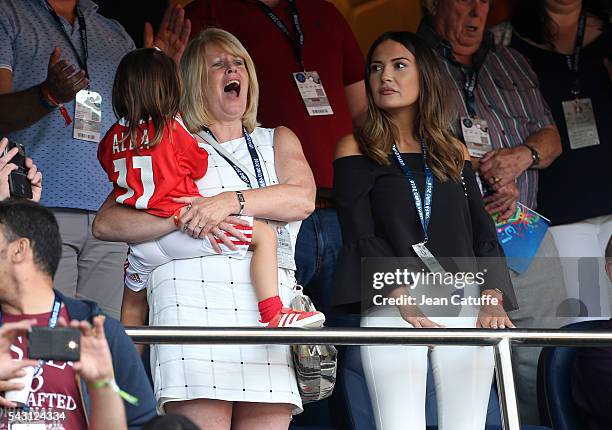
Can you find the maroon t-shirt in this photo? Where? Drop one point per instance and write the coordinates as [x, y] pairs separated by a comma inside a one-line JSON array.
[[55, 400], [330, 49]]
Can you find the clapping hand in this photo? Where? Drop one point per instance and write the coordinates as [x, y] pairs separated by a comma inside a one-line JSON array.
[[173, 33], [64, 80]]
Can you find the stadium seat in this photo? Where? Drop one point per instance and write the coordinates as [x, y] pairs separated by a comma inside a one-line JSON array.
[[557, 408]]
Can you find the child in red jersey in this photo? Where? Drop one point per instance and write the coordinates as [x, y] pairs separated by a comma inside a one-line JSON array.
[[152, 159]]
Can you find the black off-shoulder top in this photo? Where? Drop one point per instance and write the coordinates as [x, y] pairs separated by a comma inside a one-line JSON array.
[[378, 217]]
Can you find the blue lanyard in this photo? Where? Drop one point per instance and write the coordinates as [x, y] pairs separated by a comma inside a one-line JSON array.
[[82, 32], [55, 312], [424, 211], [261, 181], [471, 77], [471, 80]]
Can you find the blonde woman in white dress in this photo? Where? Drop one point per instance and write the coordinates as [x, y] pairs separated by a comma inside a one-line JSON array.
[[223, 387]]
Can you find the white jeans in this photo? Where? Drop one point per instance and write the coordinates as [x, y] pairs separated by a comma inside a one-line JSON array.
[[581, 247], [396, 378]]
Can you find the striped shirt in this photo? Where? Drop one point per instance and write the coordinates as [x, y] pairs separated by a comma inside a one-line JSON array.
[[507, 96], [28, 35]]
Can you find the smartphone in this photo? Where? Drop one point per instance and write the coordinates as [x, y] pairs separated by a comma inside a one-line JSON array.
[[57, 344], [19, 184]]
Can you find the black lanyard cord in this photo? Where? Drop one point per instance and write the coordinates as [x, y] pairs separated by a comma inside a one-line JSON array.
[[573, 61], [297, 43]]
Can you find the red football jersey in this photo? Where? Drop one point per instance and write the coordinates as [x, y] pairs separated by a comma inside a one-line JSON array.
[[148, 178]]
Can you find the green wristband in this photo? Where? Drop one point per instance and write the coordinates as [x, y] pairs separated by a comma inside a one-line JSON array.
[[132, 400]]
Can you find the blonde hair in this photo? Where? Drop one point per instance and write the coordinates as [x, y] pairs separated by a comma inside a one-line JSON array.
[[194, 71], [445, 154]]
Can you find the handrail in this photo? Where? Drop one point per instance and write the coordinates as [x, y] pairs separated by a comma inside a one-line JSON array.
[[368, 336], [500, 340]]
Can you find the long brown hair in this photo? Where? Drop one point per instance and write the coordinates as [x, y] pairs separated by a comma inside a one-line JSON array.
[[434, 118], [147, 87]]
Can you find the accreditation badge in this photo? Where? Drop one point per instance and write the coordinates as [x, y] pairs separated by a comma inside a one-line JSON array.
[[313, 94], [476, 136], [580, 122], [284, 250], [88, 116], [427, 258]]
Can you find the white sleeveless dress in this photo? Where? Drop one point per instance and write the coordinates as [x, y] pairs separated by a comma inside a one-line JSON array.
[[217, 291]]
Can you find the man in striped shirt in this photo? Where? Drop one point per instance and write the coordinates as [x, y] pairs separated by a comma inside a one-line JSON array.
[[496, 88]]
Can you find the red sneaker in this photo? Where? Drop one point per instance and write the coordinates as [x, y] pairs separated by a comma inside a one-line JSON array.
[[288, 317]]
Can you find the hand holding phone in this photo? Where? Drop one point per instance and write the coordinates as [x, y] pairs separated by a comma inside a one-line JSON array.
[[57, 344], [96, 362], [18, 182]]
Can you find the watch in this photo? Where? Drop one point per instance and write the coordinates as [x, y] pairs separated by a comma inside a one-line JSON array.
[[240, 197], [535, 155]]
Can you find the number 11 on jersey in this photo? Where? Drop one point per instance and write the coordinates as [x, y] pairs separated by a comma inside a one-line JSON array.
[[145, 165]]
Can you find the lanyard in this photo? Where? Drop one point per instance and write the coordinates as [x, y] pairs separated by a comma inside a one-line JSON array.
[[424, 210], [55, 311], [82, 32], [471, 76], [573, 61], [254, 158], [471, 80], [298, 44]]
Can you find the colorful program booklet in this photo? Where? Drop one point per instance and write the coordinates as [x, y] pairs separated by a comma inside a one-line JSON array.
[[521, 236]]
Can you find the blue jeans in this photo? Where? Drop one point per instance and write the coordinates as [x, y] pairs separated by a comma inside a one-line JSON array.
[[318, 244]]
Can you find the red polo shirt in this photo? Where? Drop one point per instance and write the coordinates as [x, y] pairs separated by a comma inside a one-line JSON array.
[[329, 48]]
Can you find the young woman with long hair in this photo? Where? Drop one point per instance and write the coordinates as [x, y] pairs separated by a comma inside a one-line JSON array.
[[405, 188]]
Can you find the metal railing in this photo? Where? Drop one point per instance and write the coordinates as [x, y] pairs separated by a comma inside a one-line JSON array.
[[500, 340]]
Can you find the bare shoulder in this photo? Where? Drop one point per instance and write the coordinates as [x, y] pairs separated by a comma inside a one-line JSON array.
[[283, 134], [347, 146]]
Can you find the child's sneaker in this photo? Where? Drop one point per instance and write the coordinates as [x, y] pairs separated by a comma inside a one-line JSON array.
[[288, 317]]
